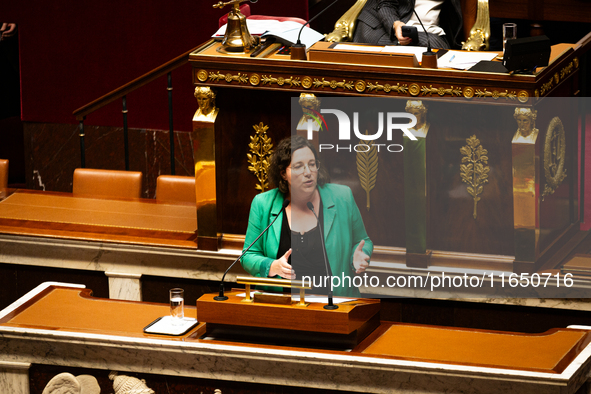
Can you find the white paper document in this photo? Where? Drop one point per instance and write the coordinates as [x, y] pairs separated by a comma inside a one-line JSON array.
[[258, 27], [463, 60]]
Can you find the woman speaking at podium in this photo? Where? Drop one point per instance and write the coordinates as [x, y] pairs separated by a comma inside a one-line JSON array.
[[292, 248]]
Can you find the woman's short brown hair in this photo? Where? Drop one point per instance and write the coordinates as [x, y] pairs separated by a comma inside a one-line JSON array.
[[281, 158]]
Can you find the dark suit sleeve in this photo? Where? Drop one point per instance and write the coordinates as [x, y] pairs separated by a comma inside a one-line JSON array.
[[387, 11]]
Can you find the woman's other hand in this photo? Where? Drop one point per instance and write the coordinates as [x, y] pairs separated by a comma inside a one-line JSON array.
[[360, 259], [282, 268]]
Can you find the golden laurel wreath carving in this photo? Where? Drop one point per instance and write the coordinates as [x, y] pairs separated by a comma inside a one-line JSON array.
[[554, 156], [475, 173], [367, 167], [261, 148]]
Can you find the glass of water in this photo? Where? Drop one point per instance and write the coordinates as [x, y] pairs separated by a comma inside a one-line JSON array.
[[177, 305], [509, 33]]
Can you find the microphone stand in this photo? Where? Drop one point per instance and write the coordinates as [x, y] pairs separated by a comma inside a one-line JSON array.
[[330, 304], [221, 296], [298, 50], [429, 57]]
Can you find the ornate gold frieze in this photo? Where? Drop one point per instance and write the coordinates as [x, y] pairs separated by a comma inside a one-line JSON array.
[[387, 88], [367, 167], [554, 156], [261, 148], [291, 81], [475, 172], [559, 76], [495, 94], [217, 76], [333, 84], [440, 91]]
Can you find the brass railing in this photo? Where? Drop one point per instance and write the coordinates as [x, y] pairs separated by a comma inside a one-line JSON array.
[[121, 93]]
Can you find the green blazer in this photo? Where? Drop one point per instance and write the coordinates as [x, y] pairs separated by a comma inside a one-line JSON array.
[[343, 230]]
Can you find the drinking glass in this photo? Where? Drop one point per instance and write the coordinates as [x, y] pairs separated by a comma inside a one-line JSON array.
[[177, 305], [509, 33]]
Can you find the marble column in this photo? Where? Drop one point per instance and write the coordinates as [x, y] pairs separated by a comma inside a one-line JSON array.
[[14, 377], [124, 286]]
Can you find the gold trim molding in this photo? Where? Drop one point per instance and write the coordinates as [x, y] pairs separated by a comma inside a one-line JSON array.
[[360, 86], [554, 156], [475, 173]]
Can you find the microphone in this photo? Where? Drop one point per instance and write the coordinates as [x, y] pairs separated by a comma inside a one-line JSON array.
[[221, 296], [298, 50], [330, 305], [429, 57]]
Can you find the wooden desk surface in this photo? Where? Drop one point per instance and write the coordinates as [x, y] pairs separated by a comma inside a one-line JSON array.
[[63, 215], [73, 309]]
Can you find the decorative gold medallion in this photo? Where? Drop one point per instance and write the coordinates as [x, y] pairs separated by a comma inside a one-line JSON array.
[[261, 148], [475, 173], [360, 86], [202, 75], [307, 82], [255, 79], [522, 96], [367, 166], [414, 89], [469, 92], [554, 156]]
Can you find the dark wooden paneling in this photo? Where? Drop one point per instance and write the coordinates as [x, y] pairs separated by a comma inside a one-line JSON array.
[[451, 225]]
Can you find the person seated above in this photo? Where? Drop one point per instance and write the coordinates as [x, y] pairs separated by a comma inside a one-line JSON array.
[[380, 22]]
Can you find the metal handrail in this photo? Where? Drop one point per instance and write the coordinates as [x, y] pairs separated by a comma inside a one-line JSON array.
[[121, 93]]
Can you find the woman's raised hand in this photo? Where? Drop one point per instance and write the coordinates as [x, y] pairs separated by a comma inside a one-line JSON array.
[[282, 268]]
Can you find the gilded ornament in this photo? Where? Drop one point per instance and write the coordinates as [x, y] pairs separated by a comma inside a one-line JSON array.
[[546, 87], [255, 79], [414, 89], [526, 125], [202, 75], [270, 80], [537, 93], [333, 84], [360, 86], [207, 110], [496, 94], [475, 172], [576, 62], [567, 70], [217, 76], [556, 78], [261, 148], [387, 88], [310, 106], [441, 91], [367, 167], [469, 92], [307, 82], [522, 96], [554, 156]]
